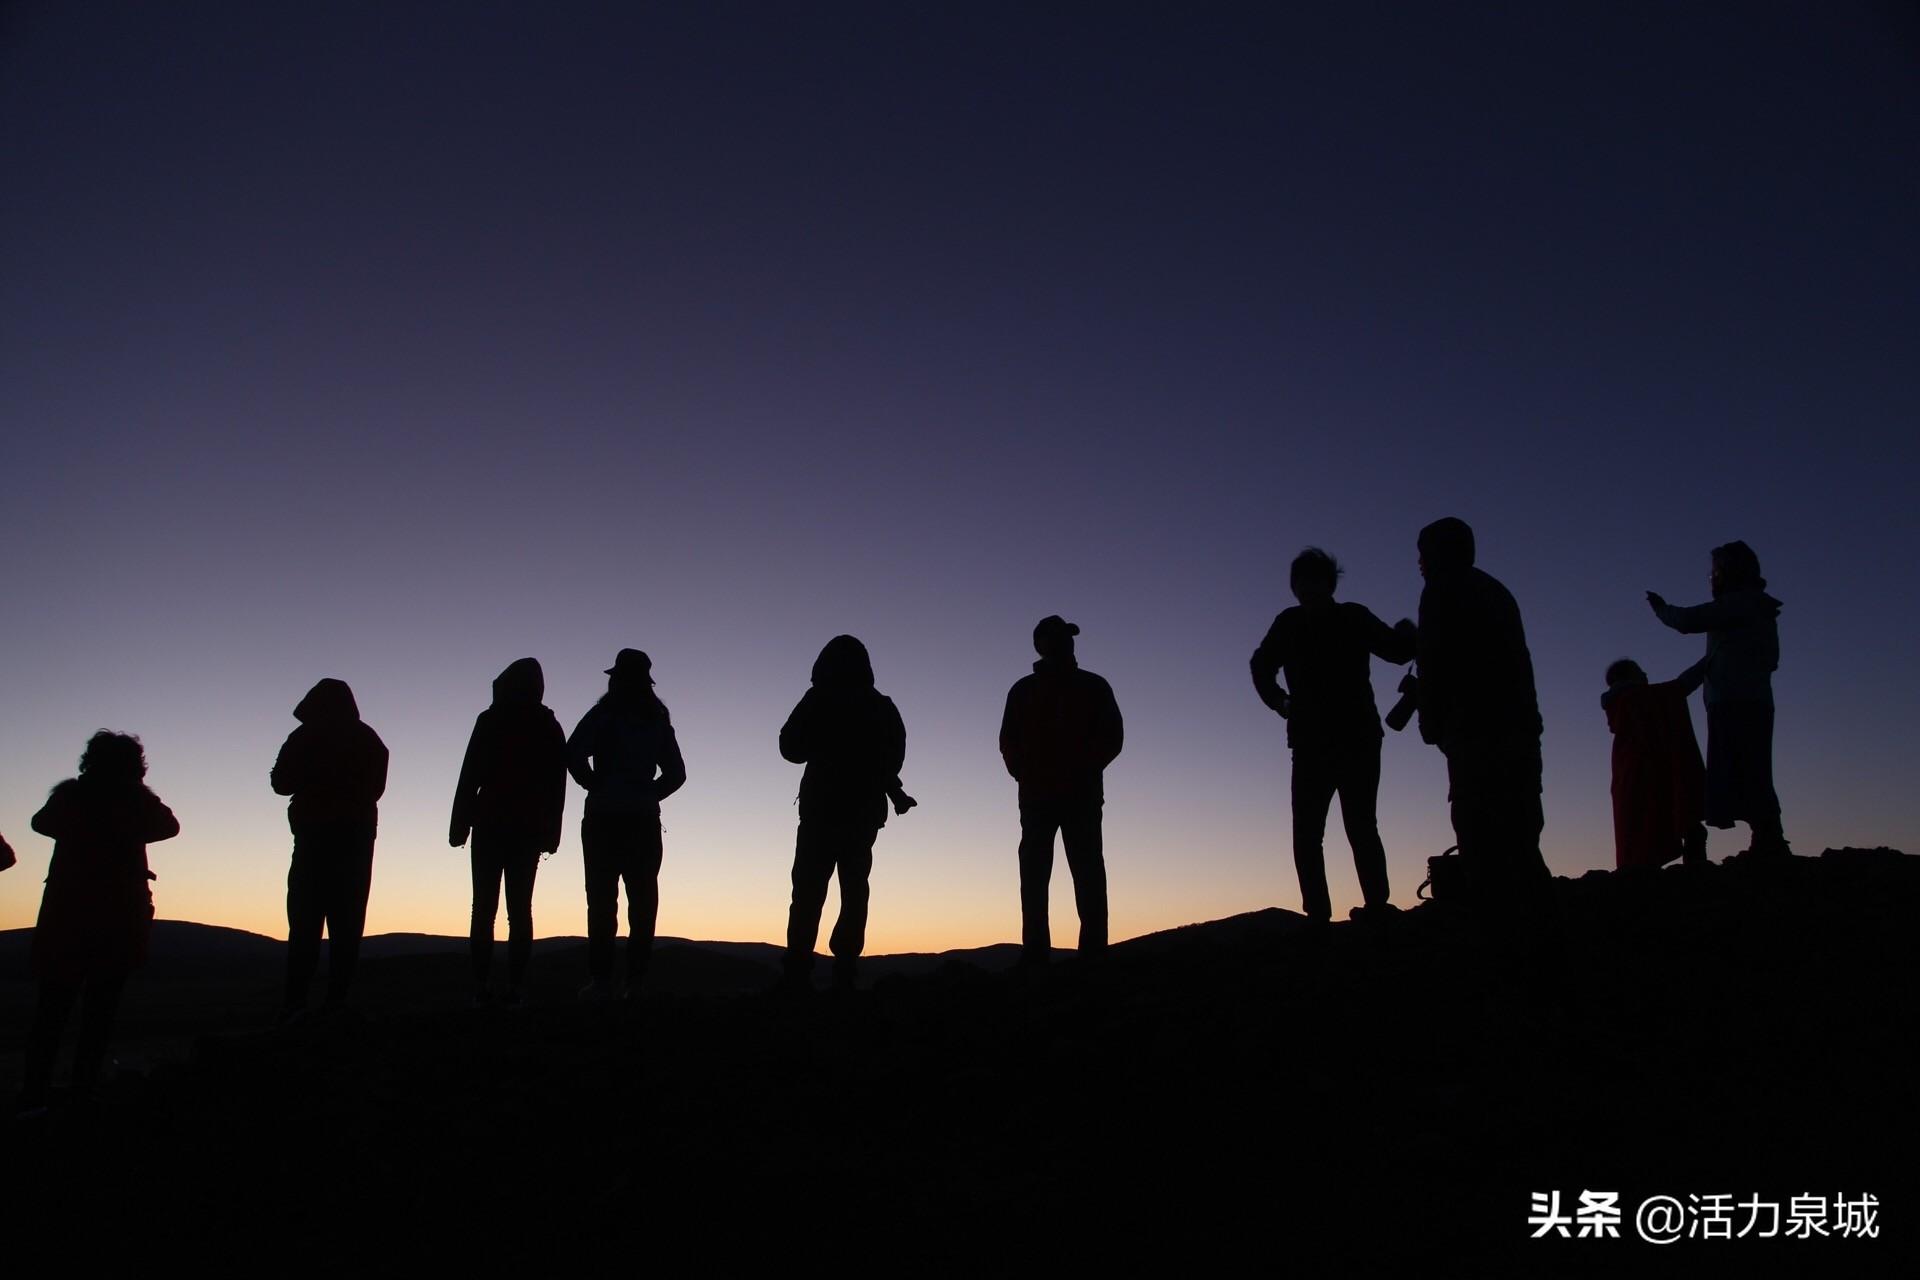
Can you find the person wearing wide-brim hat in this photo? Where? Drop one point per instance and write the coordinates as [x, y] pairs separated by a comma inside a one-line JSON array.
[[624, 754]]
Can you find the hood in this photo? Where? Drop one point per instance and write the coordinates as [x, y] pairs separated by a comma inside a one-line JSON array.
[[329, 701], [521, 684], [843, 664]]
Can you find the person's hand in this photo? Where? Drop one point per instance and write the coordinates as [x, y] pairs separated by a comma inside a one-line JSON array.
[[1657, 600], [1285, 705], [457, 836], [902, 802], [1406, 630]]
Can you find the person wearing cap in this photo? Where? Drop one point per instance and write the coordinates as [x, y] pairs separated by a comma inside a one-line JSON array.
[[1060, 731], [511, 793], [1478, 705], [1326, 648], [850, 737], [624, 755]]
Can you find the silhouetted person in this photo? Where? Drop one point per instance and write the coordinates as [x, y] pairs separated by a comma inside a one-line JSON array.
[[97, 911], [1477, 704], [1657, 775], [512, 789], [1060, 731], [623, 753], [851, 738], [1333, 727], [1743, 651], [334, 768]]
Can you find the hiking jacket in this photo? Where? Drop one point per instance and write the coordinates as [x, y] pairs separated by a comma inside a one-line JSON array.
[[333, 766], [513, 782], [1743, 642]]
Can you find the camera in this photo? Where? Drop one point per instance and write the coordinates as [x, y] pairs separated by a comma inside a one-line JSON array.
[[1409, 703]]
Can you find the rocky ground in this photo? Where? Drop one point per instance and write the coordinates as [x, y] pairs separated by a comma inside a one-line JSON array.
[[1248, 1092]]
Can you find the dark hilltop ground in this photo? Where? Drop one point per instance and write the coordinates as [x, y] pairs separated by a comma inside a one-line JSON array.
[[1248, 1093]]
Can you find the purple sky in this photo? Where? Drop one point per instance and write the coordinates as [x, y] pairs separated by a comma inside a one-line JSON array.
[[394, 342]]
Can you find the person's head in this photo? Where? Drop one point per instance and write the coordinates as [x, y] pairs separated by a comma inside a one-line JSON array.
[[1446, 546], [1735, 568], [1053, 637], [631, 673], [843, 664], [330, 701], [1624, 672], [521, 682], [114, 758], [1314, 576], [630, 684]]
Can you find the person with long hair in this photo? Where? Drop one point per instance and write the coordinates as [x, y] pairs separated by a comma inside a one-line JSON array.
[[97, 911], [1742, 626], [512, 790], [624, 755]]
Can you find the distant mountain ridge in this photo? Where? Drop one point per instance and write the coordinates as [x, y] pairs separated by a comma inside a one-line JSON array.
[[184, 949]]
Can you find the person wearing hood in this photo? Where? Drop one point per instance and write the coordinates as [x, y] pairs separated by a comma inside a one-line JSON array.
[[624, 755], [334, 769], [1478, 705], [1060, 730], [852, 741], [97, 911], [512, 789], [1741, 623]]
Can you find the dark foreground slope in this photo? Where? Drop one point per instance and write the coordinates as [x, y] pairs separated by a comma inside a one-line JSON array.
[[1244, 1089]]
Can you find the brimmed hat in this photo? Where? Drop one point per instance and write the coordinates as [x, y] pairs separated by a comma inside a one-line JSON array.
[[632, 662]]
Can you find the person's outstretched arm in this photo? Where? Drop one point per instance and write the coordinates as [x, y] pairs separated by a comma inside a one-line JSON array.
[[1397, 645], [1693, 619], [1692, 678]]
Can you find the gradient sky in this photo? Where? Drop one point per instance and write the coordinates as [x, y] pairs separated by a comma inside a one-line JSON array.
[[396, 341]]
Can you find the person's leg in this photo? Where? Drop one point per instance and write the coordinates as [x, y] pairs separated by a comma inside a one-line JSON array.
[[1038, 823], [812, 869], [849, 937], [1762, 801], [641, 869], [347, 910], [1086, 860], [599, 857], [97, 1007], [306, 916], [486, 859], [522, 864], [1314, 781], [1359, 787], [51, 1010]]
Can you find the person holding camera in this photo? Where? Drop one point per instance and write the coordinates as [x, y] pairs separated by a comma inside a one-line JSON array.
[[1333, 727], [1477, 704]]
